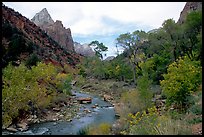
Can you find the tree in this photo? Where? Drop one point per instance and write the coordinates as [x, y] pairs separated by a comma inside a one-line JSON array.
[[99, 48], [192, 35], [182, 79], [173, 31], [132, 43]]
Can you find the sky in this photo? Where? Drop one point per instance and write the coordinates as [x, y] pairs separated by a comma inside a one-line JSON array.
[[103, 21]]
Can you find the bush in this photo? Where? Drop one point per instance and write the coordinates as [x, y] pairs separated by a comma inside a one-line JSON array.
[[22, 85], [145, 93], [195, 120], [32, 60], [150, 123], [182, 79], [83, 131], [196, 109], [143, 123], [102, 129], [130, 103], [137, 100]]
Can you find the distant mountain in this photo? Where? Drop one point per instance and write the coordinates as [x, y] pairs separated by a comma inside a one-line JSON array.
[[22, 40], [55, 29], [42, 18], [189, 6], [84, 49]]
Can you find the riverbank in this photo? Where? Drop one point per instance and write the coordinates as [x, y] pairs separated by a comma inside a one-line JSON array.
[[109, 90], [64, 109], [96, 112]]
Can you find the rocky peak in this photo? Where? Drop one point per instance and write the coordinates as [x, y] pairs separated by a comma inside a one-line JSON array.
[[189, 6], [42, 18], [54, 29], [30, 39], [83, 49], [59, 23]]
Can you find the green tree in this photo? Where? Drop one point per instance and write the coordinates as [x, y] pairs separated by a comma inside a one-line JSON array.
[[181, 80], [192, 29], [132, 44], [22, 85], [32, 60], [173, 31], [99, 48]]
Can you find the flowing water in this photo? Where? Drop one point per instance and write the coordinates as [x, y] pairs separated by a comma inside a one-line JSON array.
[[104, 113]]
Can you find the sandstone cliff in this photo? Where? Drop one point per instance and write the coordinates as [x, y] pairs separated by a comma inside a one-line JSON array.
[[21, 38], [190, 6], [54, 29]]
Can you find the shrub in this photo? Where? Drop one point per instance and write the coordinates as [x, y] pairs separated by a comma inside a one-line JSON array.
[[131, 103], [150, 123], [101, 129], [182, 78], [196, 109], [145, 93], [32, 60], [195, 120], [170, 126], [143, 123], [83, 131], [80, 81], [22, 85]]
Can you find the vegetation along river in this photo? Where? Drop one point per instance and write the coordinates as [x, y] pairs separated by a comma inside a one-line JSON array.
[[103, 113]]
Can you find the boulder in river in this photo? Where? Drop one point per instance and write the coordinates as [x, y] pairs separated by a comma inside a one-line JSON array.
[[83, 100]]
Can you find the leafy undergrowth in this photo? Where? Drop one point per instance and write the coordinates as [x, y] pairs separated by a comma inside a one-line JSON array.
[[31, 90], [151, 121]]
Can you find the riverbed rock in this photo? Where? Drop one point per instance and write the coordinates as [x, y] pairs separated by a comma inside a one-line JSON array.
[[117, 115], [56, 109], [22, 126], [12, 129], [83, 100], [87, 110], [107, 97], [86, 86]]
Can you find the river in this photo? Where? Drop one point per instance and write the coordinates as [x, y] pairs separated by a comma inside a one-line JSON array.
[[104, 113]]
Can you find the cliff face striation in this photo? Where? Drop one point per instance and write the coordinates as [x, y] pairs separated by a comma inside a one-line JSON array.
[[54, 29], [190, 6], [21, 38]]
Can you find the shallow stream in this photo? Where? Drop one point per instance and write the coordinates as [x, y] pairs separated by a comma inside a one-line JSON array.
[[103, 113]]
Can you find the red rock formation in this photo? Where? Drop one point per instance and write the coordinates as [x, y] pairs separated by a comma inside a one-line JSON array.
[[45, 47], [55, 29], [190, 6]]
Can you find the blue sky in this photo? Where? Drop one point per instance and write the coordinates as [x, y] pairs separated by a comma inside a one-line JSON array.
[[103, 21]]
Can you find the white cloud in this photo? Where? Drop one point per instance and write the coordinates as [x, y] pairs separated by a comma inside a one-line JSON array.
[[86, 17], [104, 19]]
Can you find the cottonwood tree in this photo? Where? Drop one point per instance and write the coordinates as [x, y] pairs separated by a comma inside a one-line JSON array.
[[132, 43], [99, 48]]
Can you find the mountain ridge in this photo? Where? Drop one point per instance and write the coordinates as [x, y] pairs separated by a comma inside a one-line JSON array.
[[55, 29], [21, 38]]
